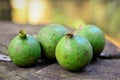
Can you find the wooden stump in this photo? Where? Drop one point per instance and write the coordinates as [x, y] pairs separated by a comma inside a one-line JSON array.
[[105, 68]]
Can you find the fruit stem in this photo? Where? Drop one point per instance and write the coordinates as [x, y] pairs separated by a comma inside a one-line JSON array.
[[70, 34], [22, 34]]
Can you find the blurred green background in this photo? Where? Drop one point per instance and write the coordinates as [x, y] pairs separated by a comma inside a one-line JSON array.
[[103, 13]]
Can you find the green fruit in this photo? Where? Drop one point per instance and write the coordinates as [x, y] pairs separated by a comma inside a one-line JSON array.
[[48, 37], [24, 50], [96, 38], [73, 52]]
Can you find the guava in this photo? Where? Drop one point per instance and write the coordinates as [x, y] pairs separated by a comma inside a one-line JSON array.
[[95, 36], [48, 38], [73, 52], [24, 50]]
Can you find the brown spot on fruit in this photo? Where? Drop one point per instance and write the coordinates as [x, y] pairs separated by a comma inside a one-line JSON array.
[[78, 58], [65, 56], [86, 53]]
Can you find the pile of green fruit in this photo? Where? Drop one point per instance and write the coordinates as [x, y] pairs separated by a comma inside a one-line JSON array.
[[73, 51]]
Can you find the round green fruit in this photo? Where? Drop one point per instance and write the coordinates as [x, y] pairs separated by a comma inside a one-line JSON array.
[[95, 36], [74, 52], [24, 50], [48, 38]]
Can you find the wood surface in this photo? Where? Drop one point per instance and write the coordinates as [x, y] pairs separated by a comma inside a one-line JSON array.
[[107, 67]]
